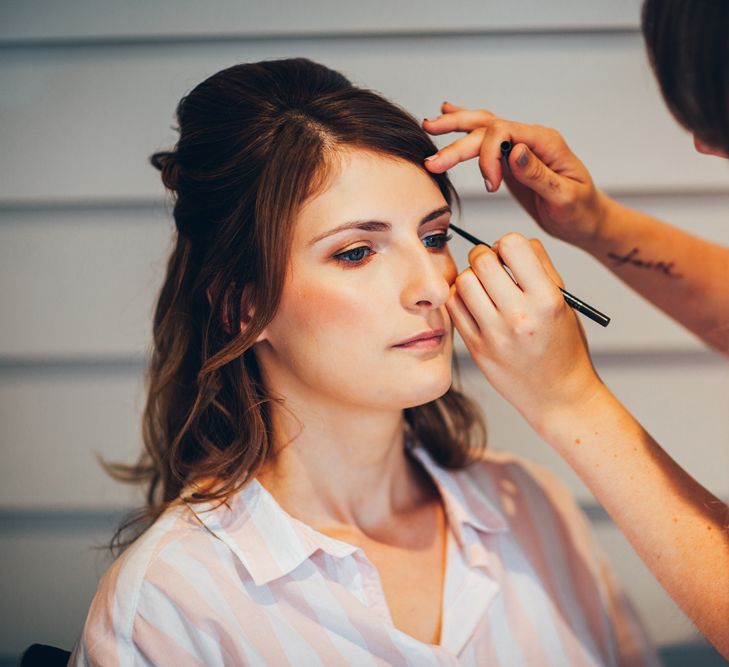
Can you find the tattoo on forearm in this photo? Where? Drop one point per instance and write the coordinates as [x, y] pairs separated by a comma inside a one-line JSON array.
[[667, 268]]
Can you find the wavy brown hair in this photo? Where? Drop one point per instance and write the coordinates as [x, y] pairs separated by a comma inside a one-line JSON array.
[[256, 141]]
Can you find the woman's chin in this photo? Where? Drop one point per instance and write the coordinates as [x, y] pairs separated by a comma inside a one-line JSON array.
[[426, 389]]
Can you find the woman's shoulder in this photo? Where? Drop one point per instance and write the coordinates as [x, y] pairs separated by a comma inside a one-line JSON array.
[[175, 525], [160, 555], [557, 539], [539, 512], [526, 494], [518, 479], [168, 573]]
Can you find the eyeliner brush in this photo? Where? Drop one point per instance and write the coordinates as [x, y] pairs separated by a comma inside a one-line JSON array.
[[580, 306]]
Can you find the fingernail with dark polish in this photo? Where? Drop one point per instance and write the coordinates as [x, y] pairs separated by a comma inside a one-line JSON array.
[[523, 159]]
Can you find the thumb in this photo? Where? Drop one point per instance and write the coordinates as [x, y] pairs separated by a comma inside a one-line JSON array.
[[530, 171]]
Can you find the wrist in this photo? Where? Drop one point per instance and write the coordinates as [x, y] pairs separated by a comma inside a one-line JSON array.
[[560, 424], [604, 215]]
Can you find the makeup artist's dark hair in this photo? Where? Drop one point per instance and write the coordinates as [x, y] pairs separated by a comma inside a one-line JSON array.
[[256, 141], [688, 48]]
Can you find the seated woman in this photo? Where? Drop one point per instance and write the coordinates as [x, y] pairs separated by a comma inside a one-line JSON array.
[[318, 491]]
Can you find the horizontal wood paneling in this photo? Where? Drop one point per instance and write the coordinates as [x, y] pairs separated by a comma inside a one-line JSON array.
[[79, 122], [182, 19]]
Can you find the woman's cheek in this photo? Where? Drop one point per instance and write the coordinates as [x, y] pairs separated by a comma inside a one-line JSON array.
[[330, 310]]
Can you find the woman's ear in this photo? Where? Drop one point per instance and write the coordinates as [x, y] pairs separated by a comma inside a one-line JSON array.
[[246, 317]]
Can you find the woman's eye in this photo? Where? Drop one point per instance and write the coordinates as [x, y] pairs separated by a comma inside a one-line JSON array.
[[356, 256], [353, 256], [439, 240]]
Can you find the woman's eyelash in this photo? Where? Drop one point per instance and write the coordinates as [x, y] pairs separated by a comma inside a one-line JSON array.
[[442, 239], [342, 256]]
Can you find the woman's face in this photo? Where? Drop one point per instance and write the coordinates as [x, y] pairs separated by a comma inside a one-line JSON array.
[[352, 295]]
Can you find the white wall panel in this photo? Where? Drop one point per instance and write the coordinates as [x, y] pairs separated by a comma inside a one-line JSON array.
[[53, 422], [80, 283], [48, 578], [79, 122], [107, 19]]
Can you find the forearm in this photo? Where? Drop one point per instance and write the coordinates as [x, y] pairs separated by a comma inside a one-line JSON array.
[[687, 277], [679, 529]]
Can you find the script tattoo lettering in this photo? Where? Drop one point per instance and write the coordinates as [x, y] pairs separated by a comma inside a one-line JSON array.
[[632, 258]]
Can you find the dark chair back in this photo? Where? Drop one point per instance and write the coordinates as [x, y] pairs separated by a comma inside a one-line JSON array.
[[42, 655]]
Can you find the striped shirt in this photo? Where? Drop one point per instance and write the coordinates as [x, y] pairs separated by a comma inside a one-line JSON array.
[[248, 584]]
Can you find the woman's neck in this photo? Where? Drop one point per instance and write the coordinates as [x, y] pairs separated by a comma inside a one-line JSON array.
[[348, 468]]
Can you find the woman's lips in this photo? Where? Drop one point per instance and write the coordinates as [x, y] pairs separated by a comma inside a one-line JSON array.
[[426, 339], [424, 343]]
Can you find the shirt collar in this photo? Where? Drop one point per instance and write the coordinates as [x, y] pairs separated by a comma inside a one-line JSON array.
[[270, 543], [464, 501]]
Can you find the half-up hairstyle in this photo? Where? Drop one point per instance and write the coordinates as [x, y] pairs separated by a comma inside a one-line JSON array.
[[256, 141]]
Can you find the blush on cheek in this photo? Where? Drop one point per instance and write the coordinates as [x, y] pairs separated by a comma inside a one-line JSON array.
[[327, 310]]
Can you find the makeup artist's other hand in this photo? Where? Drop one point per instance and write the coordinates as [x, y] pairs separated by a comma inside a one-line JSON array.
[[547, 178], [523, 337]]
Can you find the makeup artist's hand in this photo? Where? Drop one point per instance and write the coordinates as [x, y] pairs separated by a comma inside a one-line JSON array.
[[547, 178], [523, 337]]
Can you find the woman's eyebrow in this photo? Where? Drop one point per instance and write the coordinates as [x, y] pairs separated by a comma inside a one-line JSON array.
[[378, 225]]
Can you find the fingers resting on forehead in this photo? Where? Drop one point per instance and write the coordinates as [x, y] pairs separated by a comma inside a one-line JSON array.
[[484, 136], [463, 120], [447, 107], [486, 132]]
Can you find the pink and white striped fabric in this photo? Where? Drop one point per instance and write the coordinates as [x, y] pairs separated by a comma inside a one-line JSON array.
[[248, 584]]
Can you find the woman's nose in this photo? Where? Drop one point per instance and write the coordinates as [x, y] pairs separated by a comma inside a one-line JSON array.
[[427, 279]]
